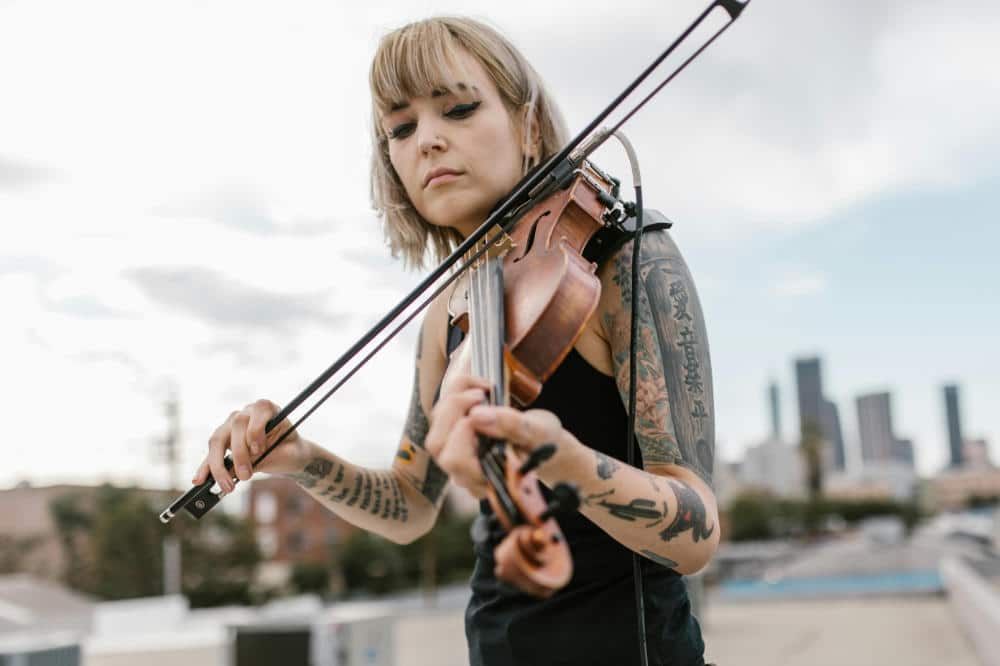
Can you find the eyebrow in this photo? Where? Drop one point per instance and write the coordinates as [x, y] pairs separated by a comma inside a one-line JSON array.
[[399, 106]]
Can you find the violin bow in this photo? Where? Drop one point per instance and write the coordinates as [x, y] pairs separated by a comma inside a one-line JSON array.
[[557, 171]]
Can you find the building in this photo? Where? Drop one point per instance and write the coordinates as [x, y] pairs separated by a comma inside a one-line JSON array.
[[880, 479], [903, 452], [291, 527], [875, 427], [816, 409], [775, 404], [27, 526], [953, 488], [775, 466], [953, 422], [830, 424], [976, 453]]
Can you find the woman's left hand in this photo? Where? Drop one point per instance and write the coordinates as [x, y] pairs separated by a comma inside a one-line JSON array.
[[523, 431]]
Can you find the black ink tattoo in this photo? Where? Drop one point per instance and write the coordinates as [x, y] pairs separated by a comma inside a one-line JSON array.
[[691, 515], [606, 466], [356, 494], [313, 473], [434, 482], [372, 489], [589, 500], [637, 508], [366, 492], [659, 559], [675, 421], [416, 422]]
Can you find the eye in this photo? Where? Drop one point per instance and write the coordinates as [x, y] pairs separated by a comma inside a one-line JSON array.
[[401, 131], [460, 111]]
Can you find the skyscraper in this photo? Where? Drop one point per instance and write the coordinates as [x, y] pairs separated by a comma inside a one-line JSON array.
[[954, 423], [809, 383], [815, 409], [903, 451], [830, 422], [772, 393], [875, 427]]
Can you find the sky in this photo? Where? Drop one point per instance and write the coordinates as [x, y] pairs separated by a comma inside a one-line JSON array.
[[184, 208]]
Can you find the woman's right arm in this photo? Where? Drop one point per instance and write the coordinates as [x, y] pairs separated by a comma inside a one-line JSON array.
[[400, 503]]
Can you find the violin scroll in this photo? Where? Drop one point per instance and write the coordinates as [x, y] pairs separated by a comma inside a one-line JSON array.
[[533, 555]]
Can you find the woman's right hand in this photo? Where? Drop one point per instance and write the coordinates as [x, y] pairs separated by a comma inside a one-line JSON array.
[[243, 434]]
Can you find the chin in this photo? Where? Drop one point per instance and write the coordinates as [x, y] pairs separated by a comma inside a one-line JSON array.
[[455, 214]]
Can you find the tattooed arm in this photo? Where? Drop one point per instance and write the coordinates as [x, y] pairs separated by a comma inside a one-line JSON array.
[[673, 509], [401, 503], [666, 509]]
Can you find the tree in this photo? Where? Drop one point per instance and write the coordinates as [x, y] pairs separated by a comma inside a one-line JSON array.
[[811, 447], [373, 565], [113, 546]]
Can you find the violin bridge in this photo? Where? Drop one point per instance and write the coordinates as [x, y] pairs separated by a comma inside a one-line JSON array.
[[497, 242]]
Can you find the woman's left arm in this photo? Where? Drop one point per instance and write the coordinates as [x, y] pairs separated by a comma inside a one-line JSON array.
[[666, 510]]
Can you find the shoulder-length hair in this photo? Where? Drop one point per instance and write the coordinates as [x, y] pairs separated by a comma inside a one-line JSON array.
[[419, 58]]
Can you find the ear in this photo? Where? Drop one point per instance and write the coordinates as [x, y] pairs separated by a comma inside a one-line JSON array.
[[531, 133]]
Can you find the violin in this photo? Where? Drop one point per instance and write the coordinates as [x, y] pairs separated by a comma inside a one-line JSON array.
[[529, 295], [535, 291]]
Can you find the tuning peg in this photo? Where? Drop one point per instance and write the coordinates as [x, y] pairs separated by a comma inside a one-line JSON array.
[[565, 499], [537, 457]]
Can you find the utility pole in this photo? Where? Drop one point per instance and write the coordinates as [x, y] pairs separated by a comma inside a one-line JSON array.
[[169, 445]]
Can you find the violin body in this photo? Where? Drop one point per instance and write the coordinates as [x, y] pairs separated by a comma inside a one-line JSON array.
[[550, 289]]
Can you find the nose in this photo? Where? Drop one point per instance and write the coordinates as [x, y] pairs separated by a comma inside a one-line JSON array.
[[430, 137]]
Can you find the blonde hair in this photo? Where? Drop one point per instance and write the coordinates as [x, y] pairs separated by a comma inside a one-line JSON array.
[[419, 58]]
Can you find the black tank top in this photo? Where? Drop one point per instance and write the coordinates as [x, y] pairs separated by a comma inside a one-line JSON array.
[[593, 619]]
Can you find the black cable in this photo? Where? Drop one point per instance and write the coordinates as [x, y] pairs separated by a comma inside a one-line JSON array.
[[640, 606]]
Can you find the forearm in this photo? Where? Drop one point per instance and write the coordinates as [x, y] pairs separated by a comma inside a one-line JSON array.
[[381, 501], [668, 519]]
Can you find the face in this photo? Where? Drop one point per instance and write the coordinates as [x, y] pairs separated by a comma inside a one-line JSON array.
[[456, 152]]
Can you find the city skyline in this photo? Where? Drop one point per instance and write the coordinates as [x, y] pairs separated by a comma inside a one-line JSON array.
[[874, 423]]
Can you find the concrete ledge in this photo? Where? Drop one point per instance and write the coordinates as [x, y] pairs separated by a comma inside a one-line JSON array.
[[975, 600]]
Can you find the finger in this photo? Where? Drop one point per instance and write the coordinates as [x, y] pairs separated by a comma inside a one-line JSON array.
[[529, 429], [217, 445], [461, 383], [458, 458], [446, 413], [238, 445], [260, 413], [450, 409], [201, 474]]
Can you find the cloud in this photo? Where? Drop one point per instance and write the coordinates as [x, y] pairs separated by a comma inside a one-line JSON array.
[[245, 210], [246, 354], [16, 175], [799, 284], [217, 300], [800, 109], [34, 266], [85, 307]]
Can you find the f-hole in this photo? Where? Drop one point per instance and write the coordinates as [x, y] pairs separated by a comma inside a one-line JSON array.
[[531, 236]]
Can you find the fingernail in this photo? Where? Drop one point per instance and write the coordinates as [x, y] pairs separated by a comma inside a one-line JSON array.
[[244, 470]]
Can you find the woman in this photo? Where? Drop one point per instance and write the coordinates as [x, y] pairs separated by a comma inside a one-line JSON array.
[[458, 117]]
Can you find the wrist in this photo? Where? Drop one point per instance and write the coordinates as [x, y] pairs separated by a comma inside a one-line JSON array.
[[564, 464]]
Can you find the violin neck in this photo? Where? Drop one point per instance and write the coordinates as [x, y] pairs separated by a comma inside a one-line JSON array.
[[487, 328]]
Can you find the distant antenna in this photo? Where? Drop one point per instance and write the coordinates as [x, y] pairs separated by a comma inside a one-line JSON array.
[[775, 409], [169, 445]]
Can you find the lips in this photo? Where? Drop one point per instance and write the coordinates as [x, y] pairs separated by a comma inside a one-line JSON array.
[[439, 171]]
